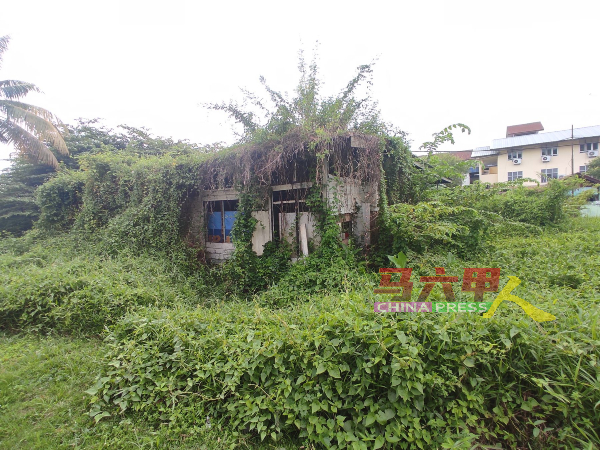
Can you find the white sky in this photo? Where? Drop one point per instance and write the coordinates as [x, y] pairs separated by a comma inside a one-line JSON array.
[[151, 64]]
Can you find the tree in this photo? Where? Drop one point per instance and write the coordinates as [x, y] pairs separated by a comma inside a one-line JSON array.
[[28, 128], [307, 110], [18, 183], [594, 168], [446, 165]]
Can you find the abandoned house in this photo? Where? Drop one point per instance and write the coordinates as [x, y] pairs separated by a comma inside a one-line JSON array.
[[345, 170]]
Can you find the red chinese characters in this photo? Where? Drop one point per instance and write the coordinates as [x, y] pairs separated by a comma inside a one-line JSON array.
[[476, 280], [404, 283], [480, 280], [440, 277]]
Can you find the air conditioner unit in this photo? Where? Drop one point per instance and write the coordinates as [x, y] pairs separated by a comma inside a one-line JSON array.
[[546, 158], [517, 161], [593, 153]]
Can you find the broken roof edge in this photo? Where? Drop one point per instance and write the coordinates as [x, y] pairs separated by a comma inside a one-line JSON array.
[[262, 159]]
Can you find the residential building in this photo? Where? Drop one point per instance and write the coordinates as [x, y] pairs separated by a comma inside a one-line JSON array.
[[526, 152]]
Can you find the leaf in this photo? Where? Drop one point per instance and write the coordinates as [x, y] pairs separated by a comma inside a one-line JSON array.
[[370, 419], [321, 368], [379, 441], [334, 372], [514, 331], [398, 260], [100, 416], [384, 416], [536, 432], [469, 362], [401, 337]]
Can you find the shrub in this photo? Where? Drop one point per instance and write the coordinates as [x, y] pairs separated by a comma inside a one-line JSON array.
[[513, 201], [60, 200], [432, 225], [335, 373], [79, 292]]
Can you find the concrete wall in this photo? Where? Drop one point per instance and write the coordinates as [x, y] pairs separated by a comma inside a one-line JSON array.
[[346, 195], [263, 232]]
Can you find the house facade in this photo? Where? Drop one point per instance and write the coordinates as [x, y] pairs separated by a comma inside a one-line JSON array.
[[284, 212], [527, 152]]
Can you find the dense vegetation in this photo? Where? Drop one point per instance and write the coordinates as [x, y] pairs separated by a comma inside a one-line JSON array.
[[116, 333]]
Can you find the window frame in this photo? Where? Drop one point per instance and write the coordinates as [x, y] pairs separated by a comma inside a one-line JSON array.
[[219, 206], [549, 151], [588, 147], [545, 172], [511, 176], [518, 153]]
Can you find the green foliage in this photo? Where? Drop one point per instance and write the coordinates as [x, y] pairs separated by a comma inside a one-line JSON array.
[[247, 273], [536, 206], [60, 200], [18, 183], [435, 226], [398, 260], [307, 111], [446, 135], [594, 168], [57, 285], [333, 372], [443, 165], [41, 382], [26, 127]]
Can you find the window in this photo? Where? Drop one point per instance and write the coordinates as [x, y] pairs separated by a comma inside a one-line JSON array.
[[583, 169], [220, 216], [587, 147], [550, 151], [549, 173], [514, 155], [512, 176]]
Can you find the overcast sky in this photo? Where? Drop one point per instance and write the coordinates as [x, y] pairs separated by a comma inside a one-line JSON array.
[[486, 64]]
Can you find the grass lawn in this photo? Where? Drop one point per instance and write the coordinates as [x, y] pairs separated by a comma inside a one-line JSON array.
[[43, 405]]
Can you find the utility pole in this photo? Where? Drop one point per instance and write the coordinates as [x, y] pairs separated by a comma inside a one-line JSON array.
[[572, 160]]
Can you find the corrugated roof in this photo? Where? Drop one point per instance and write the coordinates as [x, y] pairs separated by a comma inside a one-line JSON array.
[[481, 152], [525, 128], [542, 138]]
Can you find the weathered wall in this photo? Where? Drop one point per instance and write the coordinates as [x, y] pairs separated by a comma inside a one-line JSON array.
[[263, 232]]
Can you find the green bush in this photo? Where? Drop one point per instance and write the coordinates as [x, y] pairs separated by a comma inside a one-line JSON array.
[[435, 226], [513, 201], [81, 292], [335, 373], [60, 200]]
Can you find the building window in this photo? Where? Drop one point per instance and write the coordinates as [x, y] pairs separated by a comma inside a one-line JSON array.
[[512, 176], [550, 151], [587, 147], [220, 216], [549, 173], [583, 169], [515, 155]]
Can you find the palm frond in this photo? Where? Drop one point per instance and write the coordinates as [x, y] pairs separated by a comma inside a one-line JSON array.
[[3, 46], [37, 121], [26, 143], [14, 89]]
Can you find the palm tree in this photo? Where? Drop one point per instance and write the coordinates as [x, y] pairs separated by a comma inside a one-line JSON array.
[[28, 128]]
